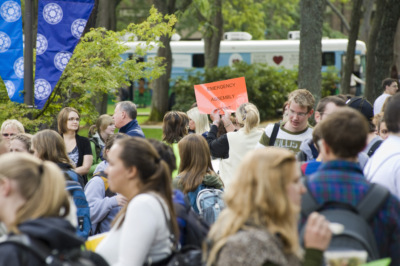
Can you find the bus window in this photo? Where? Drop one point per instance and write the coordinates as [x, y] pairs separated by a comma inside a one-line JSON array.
[[198, 60], [328, 59]]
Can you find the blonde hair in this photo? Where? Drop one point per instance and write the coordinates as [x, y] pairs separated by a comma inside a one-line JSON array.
[[101, 125], [258, 197], [302, 97], [200, 120], [41, 184], [248, 115], [13, 123]]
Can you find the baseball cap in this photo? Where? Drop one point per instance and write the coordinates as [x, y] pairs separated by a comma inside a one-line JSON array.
[[361, 104]]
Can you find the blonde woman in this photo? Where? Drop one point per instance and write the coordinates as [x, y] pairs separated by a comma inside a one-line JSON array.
[[9, 128], [35, 204], [259, 224], [198, 122], [232, 146]]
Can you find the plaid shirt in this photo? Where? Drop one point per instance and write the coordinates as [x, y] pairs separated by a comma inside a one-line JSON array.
[[343, 181]]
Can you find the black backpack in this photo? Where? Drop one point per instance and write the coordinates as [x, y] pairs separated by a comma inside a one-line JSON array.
[[48, 256], [357, 233], [196, 229]]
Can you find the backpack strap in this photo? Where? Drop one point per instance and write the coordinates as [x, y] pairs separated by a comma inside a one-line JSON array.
[[373, 201], [274, 134], [374, 147], [308, 203]]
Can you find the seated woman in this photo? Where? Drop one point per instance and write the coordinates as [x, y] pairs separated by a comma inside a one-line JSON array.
[[34, 203], [21, 143], [140, 233], [196, 171], [78, 148], [98, 135], [259, 224], [104, 204]]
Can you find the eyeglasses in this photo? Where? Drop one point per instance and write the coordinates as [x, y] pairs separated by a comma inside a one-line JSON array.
[[291, 112], [74, 119], [8, 135]]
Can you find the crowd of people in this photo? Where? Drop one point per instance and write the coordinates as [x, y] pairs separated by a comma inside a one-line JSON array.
[[218, 182]]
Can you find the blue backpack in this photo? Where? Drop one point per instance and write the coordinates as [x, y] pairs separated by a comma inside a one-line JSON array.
[[83, 209]]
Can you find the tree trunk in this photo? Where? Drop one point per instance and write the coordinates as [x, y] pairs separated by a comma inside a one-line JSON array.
[[368, 6], [397, 48], [106, 14], [159, 100], [351, 46], [213, 35], [311, 12], [380, 49]]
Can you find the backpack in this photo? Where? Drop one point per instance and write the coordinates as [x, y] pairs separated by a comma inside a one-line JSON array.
[[73, 257], [210, 203], [357, 233], [374, 147], [194, 229], [95, 145], [83, 210], [71, 174]]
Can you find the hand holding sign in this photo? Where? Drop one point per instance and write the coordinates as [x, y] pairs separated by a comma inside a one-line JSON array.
[[228, 94]]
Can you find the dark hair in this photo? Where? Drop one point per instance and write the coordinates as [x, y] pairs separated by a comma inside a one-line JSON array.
[[174, 127], [329, 99], [166, 153], [392, 114], [387, 82], [110, 141], [345, 131], [62, 119], [129, 108], [152, 171], [316, 136]]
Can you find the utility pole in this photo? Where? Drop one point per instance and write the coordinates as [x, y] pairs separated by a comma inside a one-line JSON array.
[[28, 54]]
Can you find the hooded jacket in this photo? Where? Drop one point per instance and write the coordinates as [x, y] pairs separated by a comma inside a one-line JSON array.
[[55, 232]]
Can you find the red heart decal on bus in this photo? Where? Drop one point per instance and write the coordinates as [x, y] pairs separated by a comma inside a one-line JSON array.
[[277, 59]]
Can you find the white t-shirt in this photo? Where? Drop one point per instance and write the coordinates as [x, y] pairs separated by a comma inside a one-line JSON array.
[[384, 166], [378, 104], [143, 235]]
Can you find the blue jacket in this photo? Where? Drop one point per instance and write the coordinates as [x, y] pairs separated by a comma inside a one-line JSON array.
[[132, 129]]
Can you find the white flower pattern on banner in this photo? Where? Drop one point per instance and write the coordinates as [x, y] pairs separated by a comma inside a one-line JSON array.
[[19, 67], [61, 60], [10, 88], [42, 89], [41, 44], [10, 11], [5, 42], [78, 27], [52, 13]]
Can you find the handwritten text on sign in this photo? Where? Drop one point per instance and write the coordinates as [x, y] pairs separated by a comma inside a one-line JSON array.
[[229, 94]]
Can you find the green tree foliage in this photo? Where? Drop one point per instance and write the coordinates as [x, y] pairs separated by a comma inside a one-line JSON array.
[[267, 87], [95, 68]]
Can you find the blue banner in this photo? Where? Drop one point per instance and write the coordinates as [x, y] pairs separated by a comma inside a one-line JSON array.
[[11, 49], [60, 25]]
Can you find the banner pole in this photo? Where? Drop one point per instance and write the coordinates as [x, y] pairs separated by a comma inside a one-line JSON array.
[[28, 54]]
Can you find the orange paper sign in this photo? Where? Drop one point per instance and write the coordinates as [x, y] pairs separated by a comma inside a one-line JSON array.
[[227, 94]]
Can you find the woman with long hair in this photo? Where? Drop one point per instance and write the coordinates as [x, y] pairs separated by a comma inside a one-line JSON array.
[[198, 122], [175, 127], [259, 224], [140, 231], [78, 147], [232, 146], [195, 171], [98, 135], [34, 203], [48, 145]]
